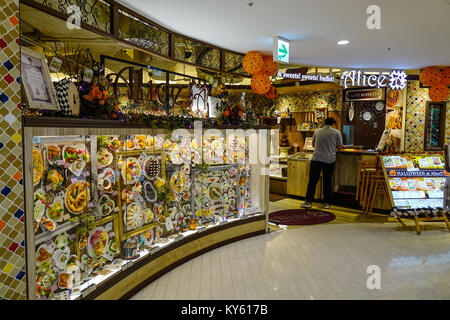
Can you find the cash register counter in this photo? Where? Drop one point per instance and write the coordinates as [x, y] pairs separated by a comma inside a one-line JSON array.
[[345, 175]]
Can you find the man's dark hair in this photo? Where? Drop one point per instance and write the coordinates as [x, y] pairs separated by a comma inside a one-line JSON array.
[[329, 121]]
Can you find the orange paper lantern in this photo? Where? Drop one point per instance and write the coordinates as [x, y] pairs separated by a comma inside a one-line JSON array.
[[438, 92], [446, 76], [252, 62], [261, 83], [430, 76], [272, 93], [270, 67]]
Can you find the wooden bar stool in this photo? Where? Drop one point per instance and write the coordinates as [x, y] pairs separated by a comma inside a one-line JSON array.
[[364, 167], [377, 183]]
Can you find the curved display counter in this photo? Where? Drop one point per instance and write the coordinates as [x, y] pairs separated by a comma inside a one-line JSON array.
[[111, 206]]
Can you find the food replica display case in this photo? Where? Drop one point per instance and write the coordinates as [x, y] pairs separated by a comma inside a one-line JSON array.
[[110, 209]]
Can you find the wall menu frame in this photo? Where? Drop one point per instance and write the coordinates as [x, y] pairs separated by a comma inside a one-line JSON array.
[[36, 81]]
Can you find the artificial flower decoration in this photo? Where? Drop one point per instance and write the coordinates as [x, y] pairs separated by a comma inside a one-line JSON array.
[[270, 67], [260, 83], [438, 92], [252, 62], [430, 76], [96, 95]]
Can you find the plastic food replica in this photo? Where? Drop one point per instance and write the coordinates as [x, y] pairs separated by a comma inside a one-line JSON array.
[[144, 191]]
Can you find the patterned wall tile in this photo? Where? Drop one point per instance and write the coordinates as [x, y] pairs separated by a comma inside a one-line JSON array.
[[416, 103], [12, 251], [308, 101]]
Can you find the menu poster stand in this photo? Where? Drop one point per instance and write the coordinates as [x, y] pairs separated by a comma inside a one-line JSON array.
[[440, 214]]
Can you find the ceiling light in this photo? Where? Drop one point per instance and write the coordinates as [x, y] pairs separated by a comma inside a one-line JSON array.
[[343, 42]]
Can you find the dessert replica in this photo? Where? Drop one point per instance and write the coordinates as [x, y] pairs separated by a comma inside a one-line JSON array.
[[101, 201]]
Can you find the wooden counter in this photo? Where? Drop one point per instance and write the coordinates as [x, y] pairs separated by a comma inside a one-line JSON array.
[[298, 177]]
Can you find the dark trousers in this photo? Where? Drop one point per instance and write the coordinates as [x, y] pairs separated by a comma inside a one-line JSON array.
[[314, 174]]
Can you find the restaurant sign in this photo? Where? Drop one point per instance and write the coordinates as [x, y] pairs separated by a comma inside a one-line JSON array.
[[396, 80], [305, 77], [375, 94]]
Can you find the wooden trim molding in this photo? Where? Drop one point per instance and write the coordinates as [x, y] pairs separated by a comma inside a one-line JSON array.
[[61, 122]]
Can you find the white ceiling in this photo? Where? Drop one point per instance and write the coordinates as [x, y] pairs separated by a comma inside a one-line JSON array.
[[417, 31]]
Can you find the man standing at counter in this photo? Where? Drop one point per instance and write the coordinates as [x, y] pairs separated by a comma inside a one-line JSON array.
[[326, 141]]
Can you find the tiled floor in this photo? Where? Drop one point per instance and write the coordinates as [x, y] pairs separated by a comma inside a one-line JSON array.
[[327, 261]]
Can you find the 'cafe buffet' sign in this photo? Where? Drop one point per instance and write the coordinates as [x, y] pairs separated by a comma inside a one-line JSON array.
[[396, 80]]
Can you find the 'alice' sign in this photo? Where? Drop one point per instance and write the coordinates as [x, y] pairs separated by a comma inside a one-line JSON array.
[[396, 80]]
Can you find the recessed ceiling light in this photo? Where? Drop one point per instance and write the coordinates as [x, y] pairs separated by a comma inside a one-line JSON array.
[[343, 42]]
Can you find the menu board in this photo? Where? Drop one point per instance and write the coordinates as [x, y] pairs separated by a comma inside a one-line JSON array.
[[415, 181]]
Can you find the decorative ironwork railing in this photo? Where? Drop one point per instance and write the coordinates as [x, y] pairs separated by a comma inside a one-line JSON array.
[[111, 19]]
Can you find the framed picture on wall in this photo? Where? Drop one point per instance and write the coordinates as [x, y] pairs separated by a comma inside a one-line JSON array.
[[36, 81], [320, 114], [308, 144]]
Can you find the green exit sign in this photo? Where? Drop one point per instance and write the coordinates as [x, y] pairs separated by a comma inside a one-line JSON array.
[[280, 50]]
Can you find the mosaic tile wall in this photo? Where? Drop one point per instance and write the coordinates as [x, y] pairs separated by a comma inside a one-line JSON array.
[[308, 101], [12, 246], [416, 102]]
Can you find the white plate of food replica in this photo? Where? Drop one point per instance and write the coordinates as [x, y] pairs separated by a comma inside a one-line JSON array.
[[148, 215], [150, 142], [140, 141], [62, 240], [131, 170], [48, 224], [97, 240], [113, 247], [54, 180], [178, 182], [39, 204], [150, 193], [114, 144], [106, 180], [106, 205], [38, 166], [77, 197], [152, 167], [76, 156], [129, 144], [104, 157], [158, 209], [65, 280], [53, 153], [133, 217], [44, 254], [60, 257], [214, 192], [72, 264], [55, 210]]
